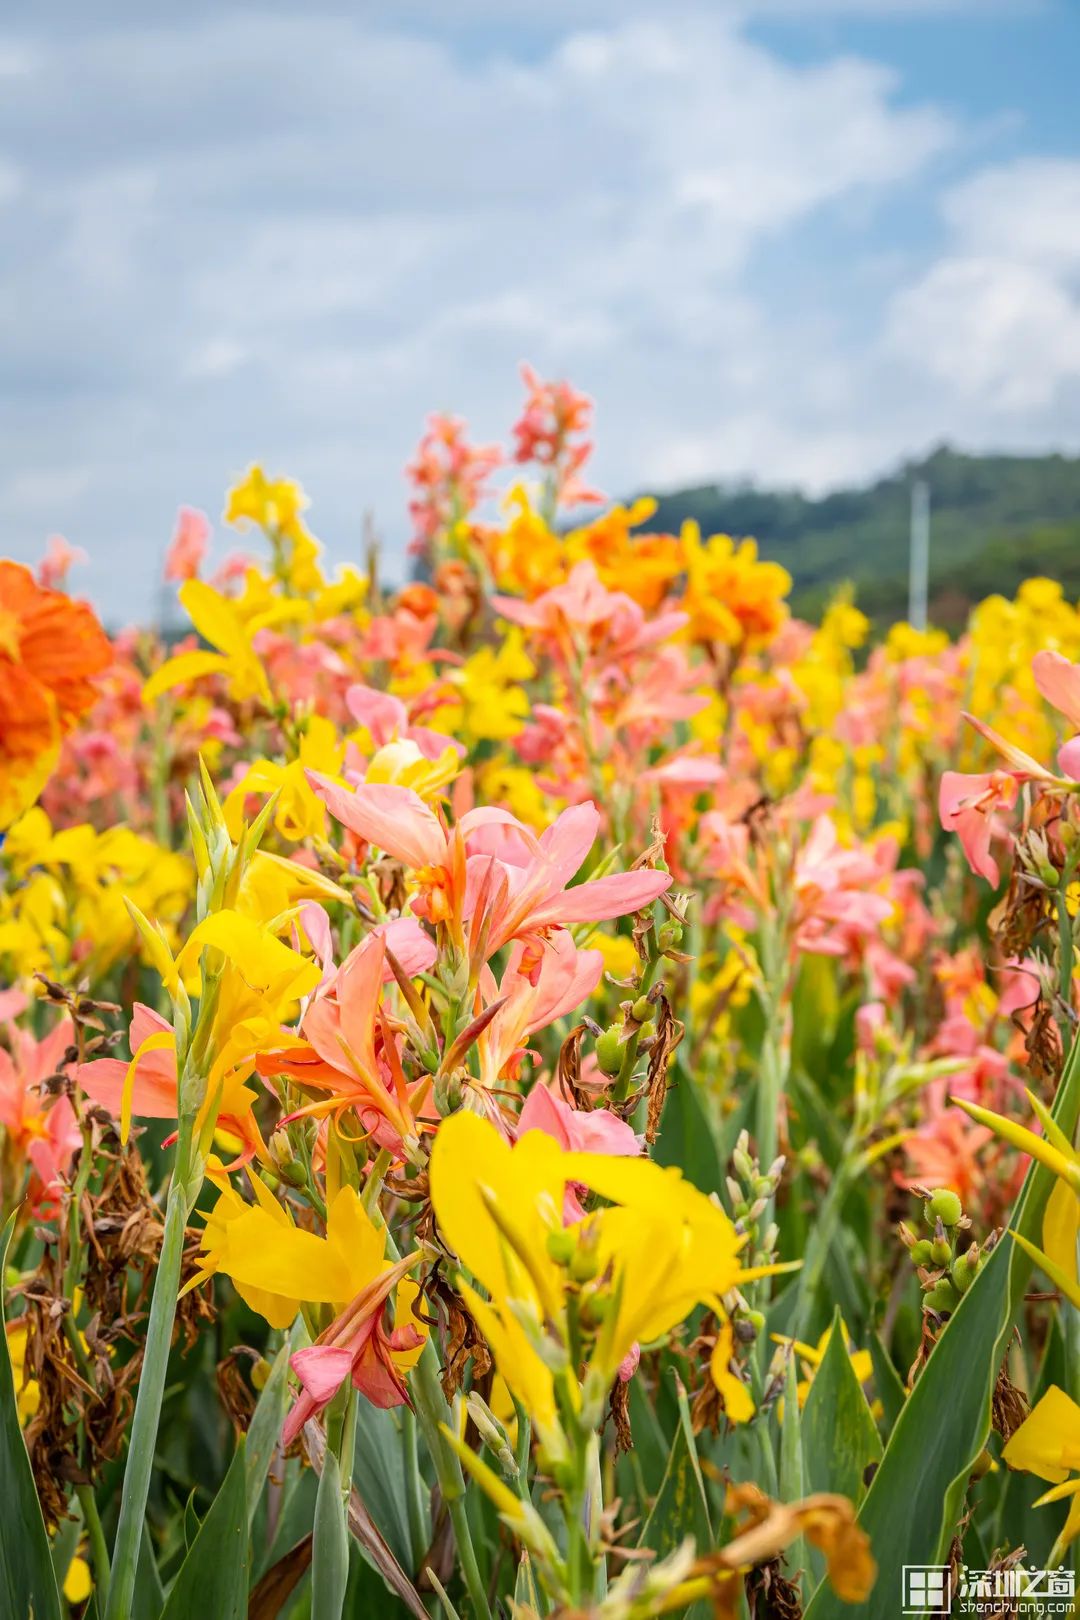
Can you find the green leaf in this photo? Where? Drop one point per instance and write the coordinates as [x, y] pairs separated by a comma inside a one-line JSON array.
[[792, 1469], [888, 1384], [791, 1438], [27, 1583], [213, 1579], [192, 1522], [915, 1503], [379, 1475], [687, 1137], [682, 1508], [264, 1430], [1020, 1521], [840, 1438], [149, 1596], [330, 1553]]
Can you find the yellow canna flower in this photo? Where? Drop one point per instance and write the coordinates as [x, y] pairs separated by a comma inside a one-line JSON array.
[[401, 762], [811, 1356], [275, 1266], [490, 705], [27, 1390], [1047, 1443], [299, 813], [219, 622], [78, 1582], [659, 1248]]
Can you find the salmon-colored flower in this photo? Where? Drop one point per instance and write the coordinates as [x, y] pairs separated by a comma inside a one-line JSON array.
[[188, 546], [38, 1131], [968, 805]]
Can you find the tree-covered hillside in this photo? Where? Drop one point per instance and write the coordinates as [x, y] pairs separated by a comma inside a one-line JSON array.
[[994, 521]]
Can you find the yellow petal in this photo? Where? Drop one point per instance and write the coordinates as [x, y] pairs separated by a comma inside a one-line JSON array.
[[189, 666], [213, 616], [162, 1040], [1060, 1225], [1037, 1146], [1048, 1438], [738, 1403]]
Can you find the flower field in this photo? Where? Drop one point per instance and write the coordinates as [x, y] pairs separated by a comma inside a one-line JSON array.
[[546, 1091]]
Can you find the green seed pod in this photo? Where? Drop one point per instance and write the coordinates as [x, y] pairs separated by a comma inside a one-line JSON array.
[[609, 1050], [641, 1009], [961, 1275], [943, 1206], [941, 1252], [942, 1298], [922, 1252]]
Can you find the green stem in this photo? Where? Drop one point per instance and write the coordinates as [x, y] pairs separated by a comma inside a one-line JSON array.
[[431, 1410], [99, 1552], [144, 1427], [414, 1488]]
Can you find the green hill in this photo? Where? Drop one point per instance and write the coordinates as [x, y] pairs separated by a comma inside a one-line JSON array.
[[995, 520]]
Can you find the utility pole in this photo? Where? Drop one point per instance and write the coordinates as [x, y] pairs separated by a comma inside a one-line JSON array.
[[919, 556]]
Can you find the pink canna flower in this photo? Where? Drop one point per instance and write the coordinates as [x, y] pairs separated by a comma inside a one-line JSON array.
[[577, 1130], [358, 1345], [39, 1132], [58, 561], [386, 719], [449, 479], [188, 545], [154, 1093], [490, 867], [1059, 682], [555, 415], [350, 1051], [149, 1082], [581, 616], [968, 806], [532, 996]]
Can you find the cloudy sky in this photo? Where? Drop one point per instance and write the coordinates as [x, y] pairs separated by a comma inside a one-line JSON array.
[[780, 239]]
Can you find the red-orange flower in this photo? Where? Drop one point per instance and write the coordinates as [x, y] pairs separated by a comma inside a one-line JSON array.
[[50, 648]]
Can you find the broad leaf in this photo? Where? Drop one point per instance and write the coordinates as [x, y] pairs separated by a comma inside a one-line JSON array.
[[213, 1579], [330, 1548], [888, 1384]]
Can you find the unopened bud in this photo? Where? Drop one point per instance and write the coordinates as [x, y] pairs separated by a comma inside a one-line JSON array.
[[744, 1165], [492, 1433]]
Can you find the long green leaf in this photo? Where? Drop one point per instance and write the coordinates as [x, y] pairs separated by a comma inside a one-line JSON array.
[[916, 1500], [840, 1438], [682, 1507], [330, 1552], [27, 1582], [264, 1430], [213, 1579], [888, 1384]]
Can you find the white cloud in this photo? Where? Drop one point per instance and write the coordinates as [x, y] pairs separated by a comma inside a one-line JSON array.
[[291, 236], [997, 318]]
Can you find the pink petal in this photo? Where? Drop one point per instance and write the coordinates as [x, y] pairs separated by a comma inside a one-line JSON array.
[[602, 898], [322, 1369], [1059, 682], [393, 818]]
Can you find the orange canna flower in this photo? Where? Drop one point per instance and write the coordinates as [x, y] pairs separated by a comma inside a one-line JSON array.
[[50, 648]]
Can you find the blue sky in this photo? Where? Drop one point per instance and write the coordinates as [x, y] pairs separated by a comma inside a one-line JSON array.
[[781, 240]]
